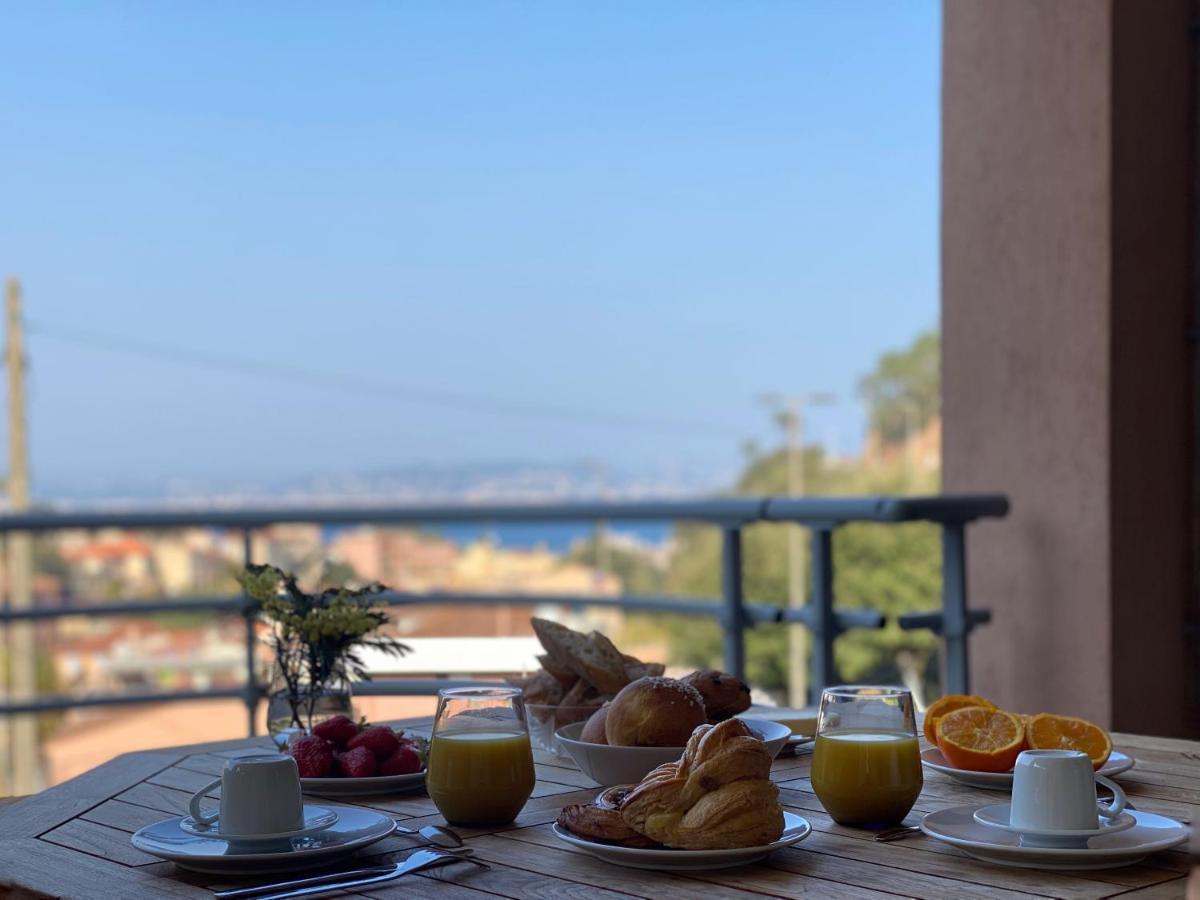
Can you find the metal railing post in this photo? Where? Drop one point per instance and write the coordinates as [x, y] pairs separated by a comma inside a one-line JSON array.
[[824, 626], [249, 614], [954, 607], [734, 620]]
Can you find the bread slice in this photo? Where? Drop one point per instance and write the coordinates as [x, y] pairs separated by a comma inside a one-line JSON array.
[[543, 688], [592, 657], [635, 670], [562, 644], [603, 664], [565, 674]]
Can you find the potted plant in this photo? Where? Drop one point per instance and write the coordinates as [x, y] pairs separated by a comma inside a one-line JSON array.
[[317, 639]]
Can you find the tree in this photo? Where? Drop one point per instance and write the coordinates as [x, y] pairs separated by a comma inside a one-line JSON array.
[[890, 568], [905, 390]]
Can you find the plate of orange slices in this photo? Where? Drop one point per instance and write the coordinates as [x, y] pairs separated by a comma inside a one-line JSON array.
[[977, 743]]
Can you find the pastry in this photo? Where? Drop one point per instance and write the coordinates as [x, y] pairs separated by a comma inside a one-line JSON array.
[[717, 796], [654, 712], [593, 731], [724, 695], [601, 819]]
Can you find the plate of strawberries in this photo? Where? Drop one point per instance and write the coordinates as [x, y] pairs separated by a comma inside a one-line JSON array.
[[344, 758]]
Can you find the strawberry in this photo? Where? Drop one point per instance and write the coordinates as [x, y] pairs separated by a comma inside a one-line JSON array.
[[313, 756], [338, 730], [358, 763], [379, 739], [404, 761]]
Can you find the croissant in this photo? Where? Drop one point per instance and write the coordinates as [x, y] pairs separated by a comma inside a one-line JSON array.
[[717, 796]]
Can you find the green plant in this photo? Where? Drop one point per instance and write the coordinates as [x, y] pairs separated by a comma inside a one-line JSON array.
[[317, 637]]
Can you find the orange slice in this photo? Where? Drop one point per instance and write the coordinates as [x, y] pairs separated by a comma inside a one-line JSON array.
[[980, 739], [1049, 732], [948, 704]]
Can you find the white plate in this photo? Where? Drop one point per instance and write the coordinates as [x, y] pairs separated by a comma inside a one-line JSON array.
[[997, 816], [932, 758], [1150, 834], [363, 787], [607, 765], [316, 818], [795, 829], [355, 828]]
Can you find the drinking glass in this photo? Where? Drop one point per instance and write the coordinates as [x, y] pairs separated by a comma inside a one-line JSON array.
[[866, 768], [480, 763]]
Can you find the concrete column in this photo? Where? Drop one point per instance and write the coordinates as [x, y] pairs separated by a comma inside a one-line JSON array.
[[1067, 188]]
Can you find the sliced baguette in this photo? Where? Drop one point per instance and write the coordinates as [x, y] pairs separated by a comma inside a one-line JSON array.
[[544, 689], [562, 644], [603, 664], [636, 670], [565, 674]]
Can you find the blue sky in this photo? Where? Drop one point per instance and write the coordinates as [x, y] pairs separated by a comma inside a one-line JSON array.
[[652, 210]]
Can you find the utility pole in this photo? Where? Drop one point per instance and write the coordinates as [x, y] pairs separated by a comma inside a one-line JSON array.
[[789, 415], [24, 740]]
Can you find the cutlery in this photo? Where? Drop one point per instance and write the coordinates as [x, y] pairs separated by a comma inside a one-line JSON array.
[[446, 838], [307, 887], [897, 834]]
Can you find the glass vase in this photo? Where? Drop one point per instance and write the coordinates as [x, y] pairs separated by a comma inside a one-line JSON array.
[[290, 711]]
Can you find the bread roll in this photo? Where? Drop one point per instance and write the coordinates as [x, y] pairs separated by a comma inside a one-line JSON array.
[[593, 731], [654, 712], [724, 695]]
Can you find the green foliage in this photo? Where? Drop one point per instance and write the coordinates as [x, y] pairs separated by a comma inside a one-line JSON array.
[[890, 568], [905, 390], [317, 637]]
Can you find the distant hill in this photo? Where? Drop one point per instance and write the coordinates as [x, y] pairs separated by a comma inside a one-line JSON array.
[[483, 482]]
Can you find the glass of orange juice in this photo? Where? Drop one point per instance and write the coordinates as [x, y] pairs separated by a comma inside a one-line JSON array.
[[866, 767], [480, 769]]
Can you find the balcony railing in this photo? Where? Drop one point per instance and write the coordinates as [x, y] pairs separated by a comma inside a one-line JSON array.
[[821, 516]]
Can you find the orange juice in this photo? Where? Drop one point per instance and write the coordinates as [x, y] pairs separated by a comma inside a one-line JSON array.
[[866, 777], [480, 777]]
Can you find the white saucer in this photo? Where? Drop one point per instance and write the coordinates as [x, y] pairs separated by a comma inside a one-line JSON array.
[[355, 828], [316, 818], [1150, 834], [997, 816], [932, 758], [795, 829], [363, 787]]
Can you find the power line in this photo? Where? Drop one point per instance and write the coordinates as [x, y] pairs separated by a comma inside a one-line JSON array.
[[406, 393]]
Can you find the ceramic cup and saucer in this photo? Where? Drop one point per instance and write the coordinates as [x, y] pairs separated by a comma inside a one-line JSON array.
[[260, 804], [1055, 821], [262, 823]]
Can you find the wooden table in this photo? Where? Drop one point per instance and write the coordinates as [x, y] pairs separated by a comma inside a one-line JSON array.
[[73, 841]]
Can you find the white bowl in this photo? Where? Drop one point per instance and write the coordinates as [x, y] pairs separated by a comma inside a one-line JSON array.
[[607, 765]]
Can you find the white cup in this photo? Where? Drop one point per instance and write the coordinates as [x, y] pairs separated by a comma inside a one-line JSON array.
[[259, 795], [1055, 790]]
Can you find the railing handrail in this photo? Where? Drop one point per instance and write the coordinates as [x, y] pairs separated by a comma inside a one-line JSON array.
[[823, 515], [732, 511]]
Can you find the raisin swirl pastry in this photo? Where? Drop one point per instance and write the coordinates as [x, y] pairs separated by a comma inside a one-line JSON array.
[[601, 819], [724, 695]]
